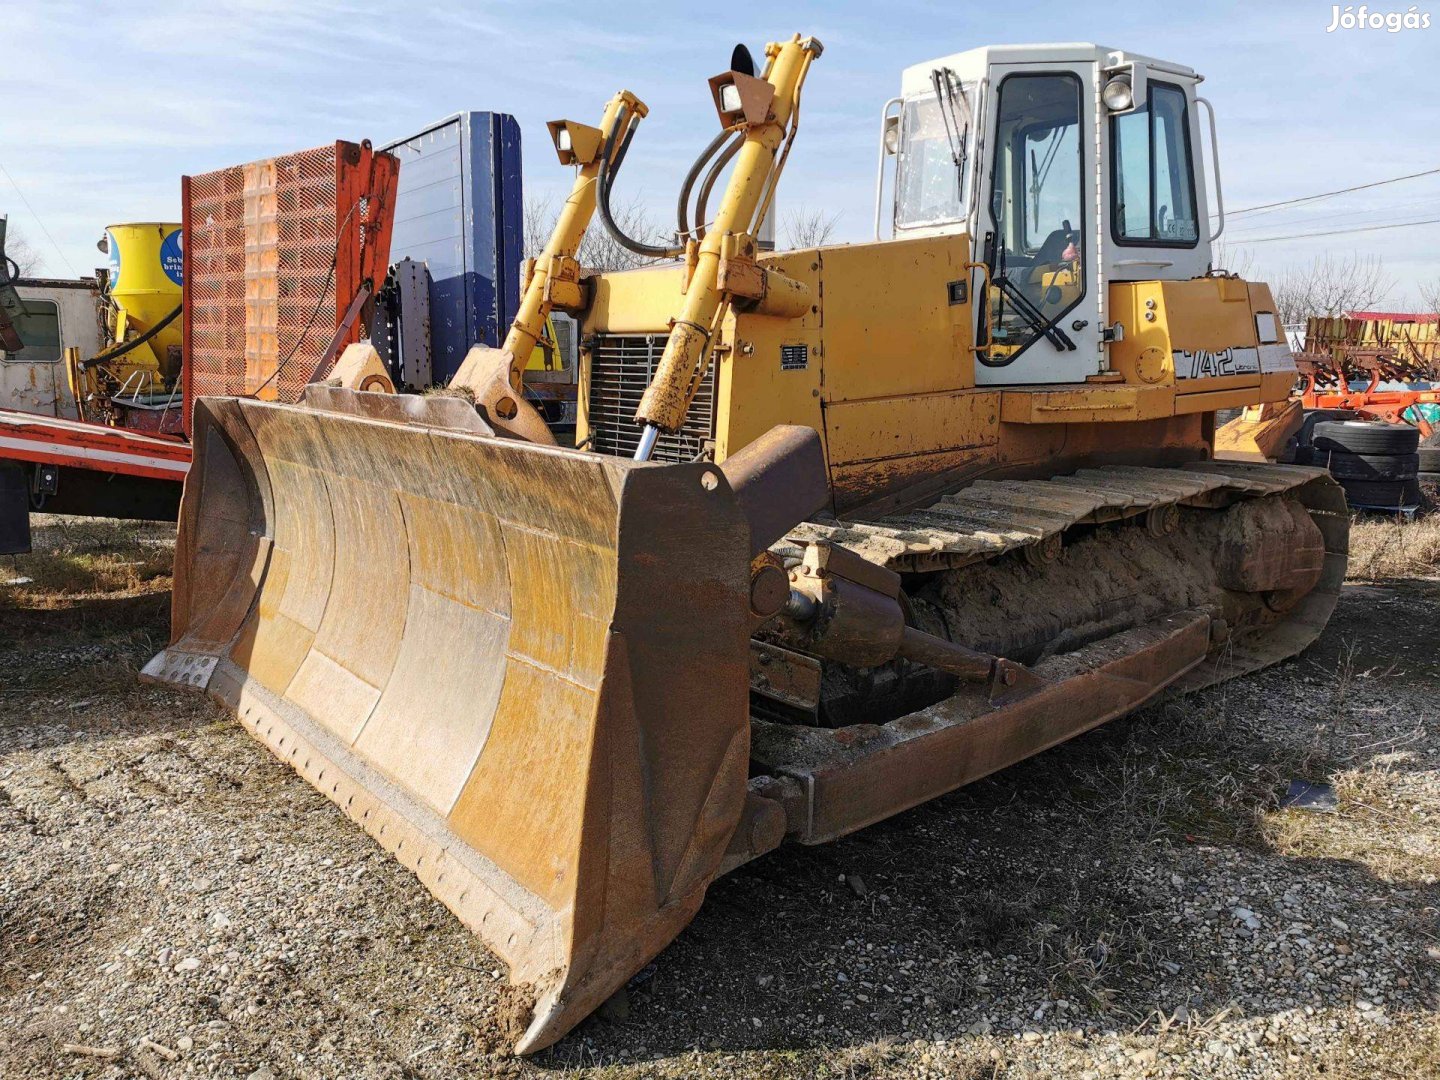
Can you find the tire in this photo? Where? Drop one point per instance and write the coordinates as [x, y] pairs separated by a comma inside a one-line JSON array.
[[1429, 459], [1305, 436], [1346, 466], [1381, 494], [1366, 437]]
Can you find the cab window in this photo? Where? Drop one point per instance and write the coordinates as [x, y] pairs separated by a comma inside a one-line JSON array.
[[928, 184], [1153, 188], [39, 329]]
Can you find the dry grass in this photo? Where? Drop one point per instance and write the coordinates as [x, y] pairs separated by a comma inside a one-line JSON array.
[[79, 616], [1195, 767], [76, 558], [1382, 549], [1382, 823], [1408, 1051]]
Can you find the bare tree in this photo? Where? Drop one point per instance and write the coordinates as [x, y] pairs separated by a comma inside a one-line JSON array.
[[1292, 297], [598, 250], [809, 228], [1329, 286], [22, 251], [1235, 260], [1429, 292]]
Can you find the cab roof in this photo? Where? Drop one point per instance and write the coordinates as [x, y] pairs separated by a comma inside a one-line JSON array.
[[973, 64]]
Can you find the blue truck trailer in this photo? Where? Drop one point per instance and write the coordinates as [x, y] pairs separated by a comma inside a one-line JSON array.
[[459, 214]]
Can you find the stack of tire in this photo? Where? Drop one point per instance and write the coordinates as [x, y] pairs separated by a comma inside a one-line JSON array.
[[1302, 451], [1377, 464], [1430, 460]]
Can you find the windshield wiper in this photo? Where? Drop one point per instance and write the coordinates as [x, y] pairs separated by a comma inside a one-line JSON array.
[[955, 116], [1032, 315]]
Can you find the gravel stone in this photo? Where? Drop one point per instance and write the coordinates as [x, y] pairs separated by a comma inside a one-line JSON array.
[[1080, 914]]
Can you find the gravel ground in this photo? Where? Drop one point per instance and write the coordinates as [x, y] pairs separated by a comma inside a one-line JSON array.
[[175, 903]]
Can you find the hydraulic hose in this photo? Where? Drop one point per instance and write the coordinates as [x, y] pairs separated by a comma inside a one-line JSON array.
[[121, 350], [682, 210], [602, 201], [709, 185]]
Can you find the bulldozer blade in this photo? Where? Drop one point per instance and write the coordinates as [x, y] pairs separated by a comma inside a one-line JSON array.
[[522, 669]]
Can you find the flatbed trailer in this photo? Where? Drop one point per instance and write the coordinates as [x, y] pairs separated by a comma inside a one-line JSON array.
[[49, 463], [52, 440]]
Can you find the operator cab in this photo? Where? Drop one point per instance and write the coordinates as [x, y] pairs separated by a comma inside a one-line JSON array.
[[1069, 167]]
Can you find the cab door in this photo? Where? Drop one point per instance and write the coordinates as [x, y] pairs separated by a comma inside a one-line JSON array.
[[1036, 228]]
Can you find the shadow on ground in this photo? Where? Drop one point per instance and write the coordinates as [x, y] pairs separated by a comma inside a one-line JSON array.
[[68, 671], [1092, 888]]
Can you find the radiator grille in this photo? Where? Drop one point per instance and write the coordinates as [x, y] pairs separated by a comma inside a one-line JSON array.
[[621, 366]]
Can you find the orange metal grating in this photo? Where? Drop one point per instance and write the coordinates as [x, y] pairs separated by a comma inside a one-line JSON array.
[[260, 242], [274, 253]]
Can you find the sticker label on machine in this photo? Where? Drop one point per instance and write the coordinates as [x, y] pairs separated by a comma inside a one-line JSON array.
[[172, 261], [1236, 360]]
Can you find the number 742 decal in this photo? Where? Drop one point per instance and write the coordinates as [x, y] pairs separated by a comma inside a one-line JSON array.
[[1236, 360]]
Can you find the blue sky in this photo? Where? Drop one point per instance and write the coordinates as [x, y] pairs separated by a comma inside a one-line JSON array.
[[105, 106]]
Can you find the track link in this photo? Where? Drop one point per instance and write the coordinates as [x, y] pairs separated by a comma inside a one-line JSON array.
[[992, 517]]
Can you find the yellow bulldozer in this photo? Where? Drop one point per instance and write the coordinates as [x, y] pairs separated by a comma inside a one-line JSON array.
[[845, 528]]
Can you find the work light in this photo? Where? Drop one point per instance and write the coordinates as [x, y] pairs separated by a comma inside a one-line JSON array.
[[1117, 94]]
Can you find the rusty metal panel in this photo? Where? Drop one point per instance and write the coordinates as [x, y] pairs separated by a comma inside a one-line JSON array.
[[786, 676], [855, 781], [261, 247], [1409, 345], [502, 660], [274, 251]]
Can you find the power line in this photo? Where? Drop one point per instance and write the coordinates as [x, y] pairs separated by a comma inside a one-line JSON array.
[[36, 216], [1426, 205], [1329, 194], [1338, 232]]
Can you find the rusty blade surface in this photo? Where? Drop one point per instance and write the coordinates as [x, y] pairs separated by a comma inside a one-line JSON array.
[[522, 669]]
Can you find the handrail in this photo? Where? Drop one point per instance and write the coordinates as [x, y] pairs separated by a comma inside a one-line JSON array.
[[880, 165], [984, 298], [1215, 164]]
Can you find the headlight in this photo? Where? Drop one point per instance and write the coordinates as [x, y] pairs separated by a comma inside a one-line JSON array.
[[575, 144], [1117, 94], [892, 134], [730, 98]]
